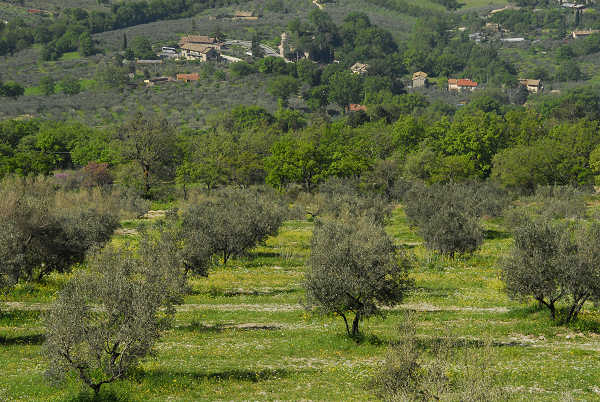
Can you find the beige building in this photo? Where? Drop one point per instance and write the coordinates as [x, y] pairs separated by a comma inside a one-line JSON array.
[[204, 53], [419, 79], [359, 68], [200, 40], [460, 85], [584, 33], [533, 86]]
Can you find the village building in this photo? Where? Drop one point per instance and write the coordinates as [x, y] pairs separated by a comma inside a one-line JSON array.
[[492, 27], [157, 80], [191, 51], [245, 15], [359, 68], [188, 77], [284, 45], [584, 33], [355, 107], [419, 79], [200, 40], [460, 85], [533, 86], [148, 62]]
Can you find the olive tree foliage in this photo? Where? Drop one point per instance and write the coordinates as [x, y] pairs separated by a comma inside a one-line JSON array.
[[47, 230], [554, 262], [447, 215], [232, 221], [354, 268], [110, 315], [338, 198]]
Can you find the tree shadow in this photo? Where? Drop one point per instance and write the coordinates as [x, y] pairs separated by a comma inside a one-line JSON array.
[[196, 326], [496, 235], [34, 339], [245, 375]]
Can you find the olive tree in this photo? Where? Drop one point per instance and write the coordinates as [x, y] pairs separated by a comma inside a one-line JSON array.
[[554, 262], [109, 316], [233, 220], [354, 268], [446, 216], [46, 230]]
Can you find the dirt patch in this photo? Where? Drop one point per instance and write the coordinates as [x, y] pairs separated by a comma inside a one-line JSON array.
[[241, 307], [126, 232], [426, 307], [159, 213]]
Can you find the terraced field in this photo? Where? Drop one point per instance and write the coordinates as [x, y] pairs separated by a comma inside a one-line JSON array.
[[243, 333]]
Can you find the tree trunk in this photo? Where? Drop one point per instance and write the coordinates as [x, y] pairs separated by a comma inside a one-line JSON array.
[[346, 322], [355, 325]]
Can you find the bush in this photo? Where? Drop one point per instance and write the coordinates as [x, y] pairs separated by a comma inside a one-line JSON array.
[[446, 216], [111, 315], [234, 220], [354, 268], [409, 374]]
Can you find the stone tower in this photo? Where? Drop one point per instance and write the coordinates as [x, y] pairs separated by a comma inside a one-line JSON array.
[[283, 48]]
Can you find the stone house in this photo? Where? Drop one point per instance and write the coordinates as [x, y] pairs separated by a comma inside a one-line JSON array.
[[533, 86], [191, 51], [419, 79], [461, 84]]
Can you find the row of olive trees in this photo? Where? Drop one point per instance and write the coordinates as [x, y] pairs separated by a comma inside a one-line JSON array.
[[554, 262], [46, 229], [112, 313]]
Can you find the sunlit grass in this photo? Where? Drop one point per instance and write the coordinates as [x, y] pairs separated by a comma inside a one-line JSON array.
[[243, 334]]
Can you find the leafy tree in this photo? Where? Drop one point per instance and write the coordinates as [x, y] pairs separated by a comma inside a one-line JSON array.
[[11, 89], [142, 48], [295, 160], [569, 71], [354, 268], [345, 88], [86, 45], [257, 51], [149, 142], [70, 85], [48, 85], [110, 316], [283, 87], [235, 220]]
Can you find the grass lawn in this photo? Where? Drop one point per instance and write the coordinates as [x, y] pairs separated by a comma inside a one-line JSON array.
[[242, 333]]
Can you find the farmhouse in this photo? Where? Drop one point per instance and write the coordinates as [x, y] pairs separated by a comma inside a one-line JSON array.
[[355, 107], [245, 15], [188, 77], [584, 33], [359, 68], [461, 85], [191, 51], [419, 79], [200, 40], [158, 80], [533, 86]]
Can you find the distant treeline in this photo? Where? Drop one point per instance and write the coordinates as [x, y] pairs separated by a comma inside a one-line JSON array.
[[61, 34]]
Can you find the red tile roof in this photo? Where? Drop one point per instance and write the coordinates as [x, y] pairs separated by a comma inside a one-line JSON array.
[[466, 83], [355, 107]]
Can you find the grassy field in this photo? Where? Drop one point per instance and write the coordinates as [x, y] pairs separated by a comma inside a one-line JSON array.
[[243, 335]]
